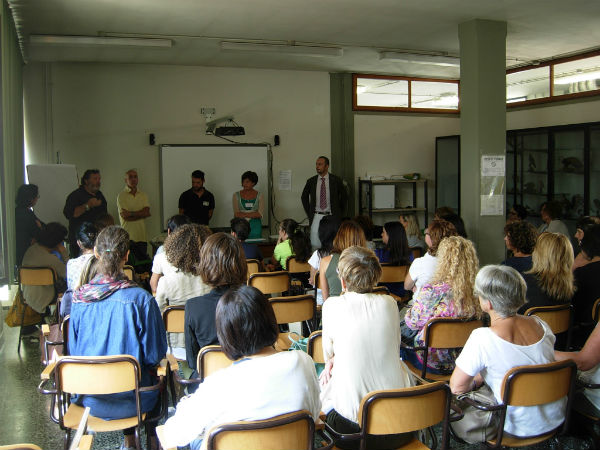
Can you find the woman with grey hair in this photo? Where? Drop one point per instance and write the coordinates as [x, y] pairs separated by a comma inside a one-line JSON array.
[[511, 340], [361, 332]]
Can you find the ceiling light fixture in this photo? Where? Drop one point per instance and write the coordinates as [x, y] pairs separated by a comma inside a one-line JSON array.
[[416, 58], [47, 39], [285, 49]]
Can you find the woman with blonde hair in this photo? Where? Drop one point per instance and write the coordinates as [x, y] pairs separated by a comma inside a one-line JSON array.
[[550, 280], [448, 294], [350, 233], [413, 232]]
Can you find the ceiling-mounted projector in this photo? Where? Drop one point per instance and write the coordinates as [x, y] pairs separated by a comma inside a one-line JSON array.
[[229, 131]]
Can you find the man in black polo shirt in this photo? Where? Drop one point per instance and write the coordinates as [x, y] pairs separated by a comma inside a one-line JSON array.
[[197, 203], [84, 204]]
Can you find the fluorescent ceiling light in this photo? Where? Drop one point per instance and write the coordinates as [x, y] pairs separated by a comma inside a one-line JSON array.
[[286, 49], [435, 60], [583, 76], [516, 99], [47, 39]]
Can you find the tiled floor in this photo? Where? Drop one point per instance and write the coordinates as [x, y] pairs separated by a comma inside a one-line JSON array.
[[24, 412]]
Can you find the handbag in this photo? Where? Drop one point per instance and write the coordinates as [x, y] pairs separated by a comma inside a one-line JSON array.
[[476, 426], [13, 318]]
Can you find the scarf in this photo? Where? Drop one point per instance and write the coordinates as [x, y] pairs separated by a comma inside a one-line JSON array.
[[99, 288]]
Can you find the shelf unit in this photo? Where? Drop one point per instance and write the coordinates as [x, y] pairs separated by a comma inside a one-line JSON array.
[[365, 197]]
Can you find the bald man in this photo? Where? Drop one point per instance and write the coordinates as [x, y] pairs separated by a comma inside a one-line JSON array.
[[133, 209]]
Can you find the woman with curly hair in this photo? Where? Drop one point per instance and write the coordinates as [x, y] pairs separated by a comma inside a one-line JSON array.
[[349, 234], [448, 294], [182, 249], [550, 280], [520, 238], [422, 269]]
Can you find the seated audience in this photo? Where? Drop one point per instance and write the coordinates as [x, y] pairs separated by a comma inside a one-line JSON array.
[[27, 225], [550, 280], [511, 340], [410, 222], [240, 228], [516, 213], [442, 211], [111, 316], [182, 248], [422, 268], [160, 265], [361, 337], [103, 221], [583, 223], [292, 241], [328, 228], [222, 265], [348, 235], [458, 223], [395, 252], [449, 293], [261, 383], [48, 251], [520, 238], [368, 228], [550, 212], [587, 277]]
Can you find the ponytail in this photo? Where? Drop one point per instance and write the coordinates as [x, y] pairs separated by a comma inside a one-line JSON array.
[[112, 245]]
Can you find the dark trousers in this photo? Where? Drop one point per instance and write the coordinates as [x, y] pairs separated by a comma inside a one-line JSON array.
[[374, 442]]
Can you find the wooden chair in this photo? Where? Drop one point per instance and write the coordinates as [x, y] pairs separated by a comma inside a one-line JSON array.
[[270, 282], [35, 276], [174, 320], [296, 267], [381, 290], [53, 342], [596, 310], [443, 333], [417, 252], [315, 347], [297, 308], [405, 410], [393, 274], [253, 266], [20, 447], [532, 386], [129, 272], [558, 317], [97, 375]]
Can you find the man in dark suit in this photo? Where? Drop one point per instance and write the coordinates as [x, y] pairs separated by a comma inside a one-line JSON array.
[[323, 195]]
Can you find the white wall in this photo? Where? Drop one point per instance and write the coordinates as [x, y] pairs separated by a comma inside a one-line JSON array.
[[564, 113], [100, 115]]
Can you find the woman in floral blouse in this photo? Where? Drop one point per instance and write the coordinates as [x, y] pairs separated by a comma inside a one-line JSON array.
[[448, 294]]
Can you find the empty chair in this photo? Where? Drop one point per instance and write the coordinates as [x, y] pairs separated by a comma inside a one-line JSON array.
[[253, 266], [270, 282], [297, 308], [315, 347]]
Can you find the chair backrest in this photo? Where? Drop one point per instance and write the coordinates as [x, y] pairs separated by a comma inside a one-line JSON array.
[[173, 318], [270, 282], [210, 359], [380, 290], [97, 375], [417, 252], [253, 266], [292, 431], [449, 332], [297, 308], [36, 276], [294, 266], [393, 274], [596, 310], [558, 317], [405, 410], [128, 271], [315, 347]]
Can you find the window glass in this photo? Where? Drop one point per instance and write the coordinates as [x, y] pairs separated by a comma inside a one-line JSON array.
[[528, 84], [434, 95], [382, 92], [581, 75]]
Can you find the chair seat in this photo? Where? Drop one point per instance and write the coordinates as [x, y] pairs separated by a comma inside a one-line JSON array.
[[509, 441], [429, 376], [283, 342], [75, 412], [415, 444]]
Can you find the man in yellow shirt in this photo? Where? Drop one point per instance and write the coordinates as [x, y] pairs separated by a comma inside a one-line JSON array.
[[133, 209]]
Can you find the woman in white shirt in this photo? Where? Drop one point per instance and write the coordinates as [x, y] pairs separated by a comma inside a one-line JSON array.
[[182, 250], [422, 269], [261, 383], [511, 340], [361, 344]]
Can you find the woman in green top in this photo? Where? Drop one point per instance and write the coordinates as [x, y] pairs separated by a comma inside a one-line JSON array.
[[292, 241], [248, 204]]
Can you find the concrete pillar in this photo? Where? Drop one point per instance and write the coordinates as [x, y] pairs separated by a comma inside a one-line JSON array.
[[482, 128]]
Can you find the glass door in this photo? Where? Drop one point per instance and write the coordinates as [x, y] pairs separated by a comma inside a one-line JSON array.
[[569, 171], [532, 170]]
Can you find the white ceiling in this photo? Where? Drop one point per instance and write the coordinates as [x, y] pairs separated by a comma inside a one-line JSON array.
[[537, 30]]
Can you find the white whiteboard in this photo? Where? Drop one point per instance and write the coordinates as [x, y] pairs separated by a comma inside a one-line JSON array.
[[55, 183], [223, 166]]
